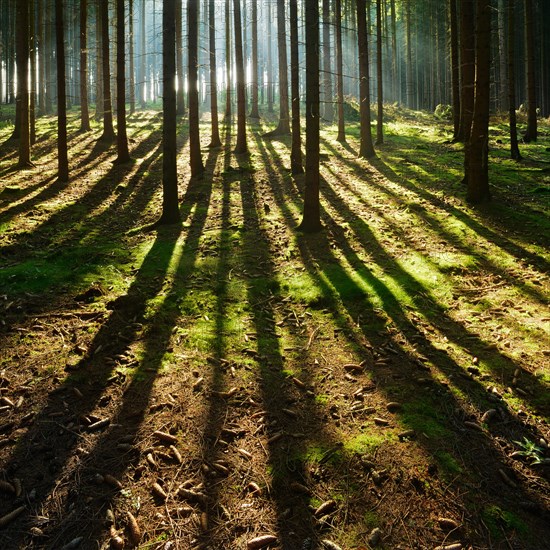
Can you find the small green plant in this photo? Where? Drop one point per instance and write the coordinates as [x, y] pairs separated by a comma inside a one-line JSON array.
[[530, 450]]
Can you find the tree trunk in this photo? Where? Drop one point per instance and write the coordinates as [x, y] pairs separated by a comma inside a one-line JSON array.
[[170, 210], [311, 220], [410, 88], [477, 152], [254, 112], [339, 72], [296, 148], [99, 65], [195, 157], [62, 157], [108, 135], [240, 146], [367, 148], [131, 70], [48, 60], [123, 154], [32, 95], [269, 60], [283, 128], [143, 86], [531, 132], [328, 109], [511, 80], [503, 57], [467, 64], [455, 68], [41, 57], [380, 91], [84, 113], [215, 140], [22, 105], [227, 62], [180, 97]]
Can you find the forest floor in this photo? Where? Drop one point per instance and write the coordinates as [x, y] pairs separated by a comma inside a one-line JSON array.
[[381, 384]]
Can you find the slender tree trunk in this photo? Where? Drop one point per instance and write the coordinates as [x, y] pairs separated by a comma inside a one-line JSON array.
[[514, 147], [269, 59], [41, 57], [170, 210], [254, 112], [84, 113], [409, 75], [395, 80], [328, 109], [366, 148], [240, 146], [132, 69], [143, 85], [32, 95], [99, 64], [380, 91], [180, 97], [195, 157], [477, 152], [311, 220], [339, 72], [531, 131], [296, 148], [215, 140], [455, 68], [283, 128], [467, 64], [123, 154], [22, 50], [48, 60], [227, 62], [108, 135], [503, 57], [62, 157]]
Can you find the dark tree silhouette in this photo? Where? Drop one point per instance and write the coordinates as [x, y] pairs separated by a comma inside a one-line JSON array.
[[467, 73], [455, 68], [339, 71], [379, 80], [296, 148], [84, 112], [531, 133], [514, 147], [180, 98], [123, 154], [241, 145], [254, 112], [22, 102], [215, 139], [311, 220], [62, 157], [108, 135]]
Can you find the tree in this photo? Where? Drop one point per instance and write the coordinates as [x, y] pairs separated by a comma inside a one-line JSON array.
[[477, 150], [254, 112], [62, 157], [514, 147], [215, 140], [339, 72], [84, 113], [195, 158], [131, 68], [180, 98], [380, 94], [122, 140], [296, 148], [108, 135], [328, 109], [227, 63], [531, 131], [283, 128], [311, 220], [455, 68], [240, 146], [366, 148], [467, 64], [22, 106], [170, 210]]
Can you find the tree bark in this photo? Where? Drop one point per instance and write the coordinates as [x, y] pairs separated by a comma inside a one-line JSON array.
[[379, 85], [339, 72], [215, 139], [366, 148], [180, 97], [131, 69], [531, 132], [62, 157], [296, 148], [170, 210], [455, 68], [195, 157], [311, 220], [511, 80], [108, 135], [227, 62], [122, 139], [254, 112], [467, 64], [328, 109], [22, 101], [477, 151], [84, 112], [241, 145]]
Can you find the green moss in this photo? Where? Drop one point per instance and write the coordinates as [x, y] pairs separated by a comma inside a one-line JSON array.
[[498, 519]]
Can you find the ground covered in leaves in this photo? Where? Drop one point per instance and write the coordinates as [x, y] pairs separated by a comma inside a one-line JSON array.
[[231, 383]]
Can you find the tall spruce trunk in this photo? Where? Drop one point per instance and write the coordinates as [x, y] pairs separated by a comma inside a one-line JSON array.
[[531, 133], [379, 83], [311, 220], [170, 210], [296, 147], [467, 64], [511, 81], [22, 98], [62, 156], [254, 112], [328, 108], [108, 135], [123, 154], [241, 145], [84, 111], [180, 97], [339, 72], [215, 139], [477, 151], [455, 67], [131, 68], [195, 157]]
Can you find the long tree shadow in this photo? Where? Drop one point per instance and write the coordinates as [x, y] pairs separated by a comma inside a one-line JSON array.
[[100, 376]]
